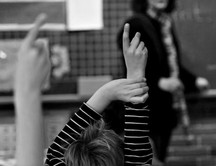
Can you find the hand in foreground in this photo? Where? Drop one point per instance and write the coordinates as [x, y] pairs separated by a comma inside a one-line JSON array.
[[126, 90], [33, 59], [135, 54], [32, 69]]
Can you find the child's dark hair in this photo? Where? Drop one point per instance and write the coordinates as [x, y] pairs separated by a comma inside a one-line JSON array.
[[96, 146]]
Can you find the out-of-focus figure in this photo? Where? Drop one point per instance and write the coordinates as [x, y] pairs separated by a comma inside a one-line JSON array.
[[166, 77]]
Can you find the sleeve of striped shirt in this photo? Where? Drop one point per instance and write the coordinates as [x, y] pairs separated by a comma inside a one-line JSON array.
[[137, 149], [71, 132]]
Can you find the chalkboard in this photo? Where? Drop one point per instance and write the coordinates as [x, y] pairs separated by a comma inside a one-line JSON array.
[[196, 28]]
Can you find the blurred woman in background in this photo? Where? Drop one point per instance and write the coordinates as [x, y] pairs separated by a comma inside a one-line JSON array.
[[166, 76]]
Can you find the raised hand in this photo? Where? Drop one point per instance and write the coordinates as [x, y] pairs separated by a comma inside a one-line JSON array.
[[135, 54], [32, 69], [126, 90], [33, 59]]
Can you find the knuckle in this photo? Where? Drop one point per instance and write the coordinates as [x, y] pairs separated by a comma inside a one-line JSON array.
[[130, 51], [137, 53], [145, 51], [145, 97], [147, 88]]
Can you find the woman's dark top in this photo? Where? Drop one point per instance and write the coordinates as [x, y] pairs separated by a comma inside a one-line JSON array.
[[160, 102]]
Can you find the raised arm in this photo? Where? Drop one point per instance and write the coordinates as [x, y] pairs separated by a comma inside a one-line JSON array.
[[90, 112], [32, 70], [138, 150]]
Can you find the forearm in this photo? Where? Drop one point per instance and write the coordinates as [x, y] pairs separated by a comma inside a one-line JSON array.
[[138, 150], [29, 121], [99, 101]]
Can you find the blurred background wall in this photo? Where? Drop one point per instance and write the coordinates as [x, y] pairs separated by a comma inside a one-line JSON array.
[[95, 52], [196, 26], [91, 53]]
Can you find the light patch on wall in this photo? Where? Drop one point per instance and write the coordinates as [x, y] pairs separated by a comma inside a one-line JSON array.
[[8, 61], [84, 14]]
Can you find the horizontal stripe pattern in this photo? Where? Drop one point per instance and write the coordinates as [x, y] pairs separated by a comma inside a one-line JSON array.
[[71, 132], [137, 149]]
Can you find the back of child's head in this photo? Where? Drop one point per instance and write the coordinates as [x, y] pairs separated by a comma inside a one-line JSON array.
[[96, 146]]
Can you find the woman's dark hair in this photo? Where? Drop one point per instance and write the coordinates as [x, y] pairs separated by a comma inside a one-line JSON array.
[[140, 6]]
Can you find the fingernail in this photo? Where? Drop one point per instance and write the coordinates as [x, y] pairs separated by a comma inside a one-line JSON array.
[[138, 34]]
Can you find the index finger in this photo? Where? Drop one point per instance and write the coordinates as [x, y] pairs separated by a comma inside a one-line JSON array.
[[32, 34], [125, 38]]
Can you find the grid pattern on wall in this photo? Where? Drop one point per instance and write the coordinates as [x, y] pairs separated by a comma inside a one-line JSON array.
[[91, 53]]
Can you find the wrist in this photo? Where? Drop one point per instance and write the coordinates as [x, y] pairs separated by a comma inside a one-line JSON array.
[[99, 101], [135, 75], [25, 85], [25, 92], [25, 99]]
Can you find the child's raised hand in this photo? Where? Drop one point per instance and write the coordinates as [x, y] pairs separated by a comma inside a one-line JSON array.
[[135, 54], [126, 90], [33, 59], [33, 66]]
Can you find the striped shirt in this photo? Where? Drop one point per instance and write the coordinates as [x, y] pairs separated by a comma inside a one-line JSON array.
[[137, 148]]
